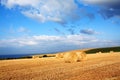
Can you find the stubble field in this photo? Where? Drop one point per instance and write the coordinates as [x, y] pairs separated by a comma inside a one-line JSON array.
[[103, 66]]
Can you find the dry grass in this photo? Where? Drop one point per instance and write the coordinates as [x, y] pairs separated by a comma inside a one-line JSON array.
[[59, 55], [96, 67]]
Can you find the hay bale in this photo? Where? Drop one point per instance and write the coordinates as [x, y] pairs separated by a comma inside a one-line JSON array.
[[59, 55], [81, 56], [34, 57], [70, 57], [111, 52], [98, 52]]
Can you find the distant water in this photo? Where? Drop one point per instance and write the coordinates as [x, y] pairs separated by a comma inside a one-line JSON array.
[[13, 56]]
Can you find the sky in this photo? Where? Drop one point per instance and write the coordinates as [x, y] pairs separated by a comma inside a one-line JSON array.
[[46, 26]]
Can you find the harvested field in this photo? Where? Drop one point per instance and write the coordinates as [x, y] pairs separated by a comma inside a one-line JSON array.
[[96, 67]]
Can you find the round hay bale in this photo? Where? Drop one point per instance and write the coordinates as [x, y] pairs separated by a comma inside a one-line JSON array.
[[111, 51], [75, 56], [70, 57], [99, 52], [81, 56], [34, 57], [59, 55]]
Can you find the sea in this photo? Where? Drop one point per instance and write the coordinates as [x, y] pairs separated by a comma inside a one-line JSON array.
[[13, 56]]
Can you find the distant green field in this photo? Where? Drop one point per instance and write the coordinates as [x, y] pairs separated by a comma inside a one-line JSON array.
[[103, 50]]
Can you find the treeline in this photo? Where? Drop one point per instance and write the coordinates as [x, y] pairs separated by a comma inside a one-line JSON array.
[[103, 50]]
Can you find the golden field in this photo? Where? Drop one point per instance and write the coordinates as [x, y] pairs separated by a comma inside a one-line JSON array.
[[105, 66]]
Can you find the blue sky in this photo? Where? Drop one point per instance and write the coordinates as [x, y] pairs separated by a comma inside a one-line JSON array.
[[38, 26]]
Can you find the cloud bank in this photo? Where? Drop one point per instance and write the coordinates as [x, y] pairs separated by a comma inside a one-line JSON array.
[[45, 43], [45, 40]]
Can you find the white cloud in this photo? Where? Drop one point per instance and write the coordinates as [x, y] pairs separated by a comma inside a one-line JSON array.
[[40, 40], [62, 11], [13, 3], [23, 43], [45, 43], [48, 38], [34, 15], [49, 41], [44, 10]]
